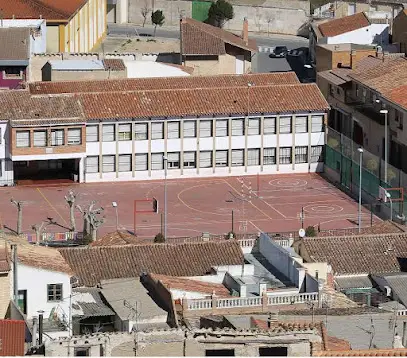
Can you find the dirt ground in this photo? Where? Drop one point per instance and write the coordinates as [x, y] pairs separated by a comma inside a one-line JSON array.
[[139, 45]]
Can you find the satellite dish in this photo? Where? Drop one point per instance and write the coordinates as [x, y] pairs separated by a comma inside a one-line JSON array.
[[301, 232]]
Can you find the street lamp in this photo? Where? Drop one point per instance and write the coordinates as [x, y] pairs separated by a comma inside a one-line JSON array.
[[360, 150], [388, 196], [114, 204], [385, 112], [165, 196]]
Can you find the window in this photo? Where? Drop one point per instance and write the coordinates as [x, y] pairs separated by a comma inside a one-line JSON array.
[[108, 163], [141, 161], [140, 131], [269, 125], [254, 126], [317, 123], [237, 157], [238, 126], [372, 8], [285, 124], [351, 8], [157, 161], [221, 158], [173, 130], [205, 129], [92, 133], [92, 165], [124, 131], [81, 352], [301, 155], [22, 139], [317, 154], [221, 127], [269, 156], [285, 155], [74, 136], [273, 351], [173, 160], [219, 352], [189, 160], [205, 159], [108, 132], [301, 123], [54, 292], [12, 73], [40, 138], [22, 300], [57, 137], [125, 163], [253, 157], [157, 130], [189, 129]]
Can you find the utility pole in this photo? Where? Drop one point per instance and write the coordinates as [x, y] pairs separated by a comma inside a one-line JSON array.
[[19, 206], [70, 199]]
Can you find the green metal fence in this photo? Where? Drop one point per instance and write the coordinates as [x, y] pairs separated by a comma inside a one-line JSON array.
[[200, 10]]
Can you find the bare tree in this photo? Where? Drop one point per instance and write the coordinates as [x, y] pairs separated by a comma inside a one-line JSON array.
[[38, 228], [91, 220], [269, 19], [19, 206], [145, 10], [70, 199]]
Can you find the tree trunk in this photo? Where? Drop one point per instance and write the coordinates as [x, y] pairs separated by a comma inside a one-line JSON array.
[[72, 216], [155, 29], [85, 226], [94, 234], [19, 219], [144, 21]]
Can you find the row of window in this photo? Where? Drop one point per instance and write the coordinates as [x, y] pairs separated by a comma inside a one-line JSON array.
[[206, 129], [40, 138], [206, 159]]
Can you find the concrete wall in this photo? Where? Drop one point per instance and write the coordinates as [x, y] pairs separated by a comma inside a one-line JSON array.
[[84, 75], [373, 34], [5, 290], [279, 16]]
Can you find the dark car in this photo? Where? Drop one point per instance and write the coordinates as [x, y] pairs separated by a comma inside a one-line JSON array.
[[279, 51]]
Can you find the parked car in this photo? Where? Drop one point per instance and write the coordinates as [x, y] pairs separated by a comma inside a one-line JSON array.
[[279, 51]]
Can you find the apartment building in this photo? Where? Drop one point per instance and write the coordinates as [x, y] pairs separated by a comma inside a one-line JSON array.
[[129, 129]]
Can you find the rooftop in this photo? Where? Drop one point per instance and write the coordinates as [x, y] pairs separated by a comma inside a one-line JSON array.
[[87, 302], [118, 238], [395, 352], [194, 259], [398, 285], [88, 65], [15, 43], [4, 261], [346, 47], [344, 24]]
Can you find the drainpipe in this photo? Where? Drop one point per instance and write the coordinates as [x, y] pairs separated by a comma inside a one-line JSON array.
[[15, 280]]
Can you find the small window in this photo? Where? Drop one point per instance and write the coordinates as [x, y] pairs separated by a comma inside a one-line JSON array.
[[40, 138], [109, 163], [254, 126], [269, 156], [157, 130], [189, 129], [317, 123], [81, 352], [285, 155], [221, 127], [125, 163], [238, 127], [301, 124], [141, 131], [22, 139], [92, 164], [141, 161], [12, 73], [221, 158], [54, 292], [301, 155], [285, 124], [57, 137], [273, 351], [253, 157], [109, 133], [205, 129], [173, 161], [22, 300], [351, 8], [124, 131], [269, 125], [237, 157], [173, 130], [189, 160], [219, 352], [317, 154], [157, 161], [92, 133], [74, 136], [205, 159]]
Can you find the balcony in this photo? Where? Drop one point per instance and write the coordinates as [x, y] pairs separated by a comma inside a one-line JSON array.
[[365, 109]]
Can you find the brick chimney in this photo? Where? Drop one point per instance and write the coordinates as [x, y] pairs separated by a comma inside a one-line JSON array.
[[245, 32]]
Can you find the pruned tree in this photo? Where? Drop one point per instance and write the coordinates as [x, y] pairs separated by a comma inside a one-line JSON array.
[[19, 206], [91, 220], [144, 12], [157, 19], [159, 238], [38, 228], [269, 19], [70, 199], [219, 13]]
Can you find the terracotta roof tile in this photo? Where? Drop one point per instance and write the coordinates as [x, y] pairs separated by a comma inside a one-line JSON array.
[[135, 84], [382, 227], [344, 24], [119, 238], [15, 42], [114, 64], [198, 38], [395, 352], [191, 285], [92, 264]]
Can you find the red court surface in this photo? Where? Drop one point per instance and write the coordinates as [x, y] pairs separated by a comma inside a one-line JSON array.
[[194, 205]]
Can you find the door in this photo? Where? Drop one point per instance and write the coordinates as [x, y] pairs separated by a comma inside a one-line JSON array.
[[239, 64]]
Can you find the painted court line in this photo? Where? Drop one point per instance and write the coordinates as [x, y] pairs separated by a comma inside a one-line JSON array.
[[53, 207]]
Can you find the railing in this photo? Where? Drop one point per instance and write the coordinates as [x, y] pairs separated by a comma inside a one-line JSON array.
[[402, 312], [292, 299], [238, 302], [54, 236], [247, 242]]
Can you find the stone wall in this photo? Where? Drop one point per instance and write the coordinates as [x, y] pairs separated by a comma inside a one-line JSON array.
[[274, 16]]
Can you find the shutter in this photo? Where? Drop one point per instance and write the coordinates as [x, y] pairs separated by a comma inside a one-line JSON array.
[[254, 126], [285, 124], [157, 130], [141, 161], [125, 131], [205, 129], [125, 163], [157, 162], [269, 125], [205, 159], [189, 128], [253, 157], [269, 156], [221, 127], [238, 126], [301, 124], [140, 131], [108, 132], [74, 136], [221, 158], [173, 130], [237, 157], [40, 138], [92, 164], [108, 163], [92, 133], [317, 123]]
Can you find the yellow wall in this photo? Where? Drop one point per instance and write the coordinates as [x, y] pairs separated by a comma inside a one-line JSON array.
[[52, 38]]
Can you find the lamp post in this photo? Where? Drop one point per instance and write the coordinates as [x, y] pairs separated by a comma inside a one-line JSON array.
[[388, 196], [114, 204], [385, 112], [360, 150], [165, 196]]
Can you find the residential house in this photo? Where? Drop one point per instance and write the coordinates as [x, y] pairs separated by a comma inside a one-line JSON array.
[[92, 131], [212, 50], [72, 26], [356, 29], [399, 35]]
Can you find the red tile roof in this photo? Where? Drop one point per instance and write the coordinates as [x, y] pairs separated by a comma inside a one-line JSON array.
[[17, 42], [198, 38], [119, 238], [12, 337], [382, 227], [344, 24], [136, 84], [191, 285], [114, 64], [93, 264], [395, 352]]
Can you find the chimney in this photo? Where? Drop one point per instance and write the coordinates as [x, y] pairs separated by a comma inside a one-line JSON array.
[[245, 33], [40, 326]]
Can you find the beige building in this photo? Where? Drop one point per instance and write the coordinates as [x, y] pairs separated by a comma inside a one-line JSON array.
[[5, 277], [400, 31], [214, 51]]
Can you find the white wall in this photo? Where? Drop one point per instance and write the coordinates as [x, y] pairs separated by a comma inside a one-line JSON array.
[[373, 34], [180, 294], [144, 69]]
